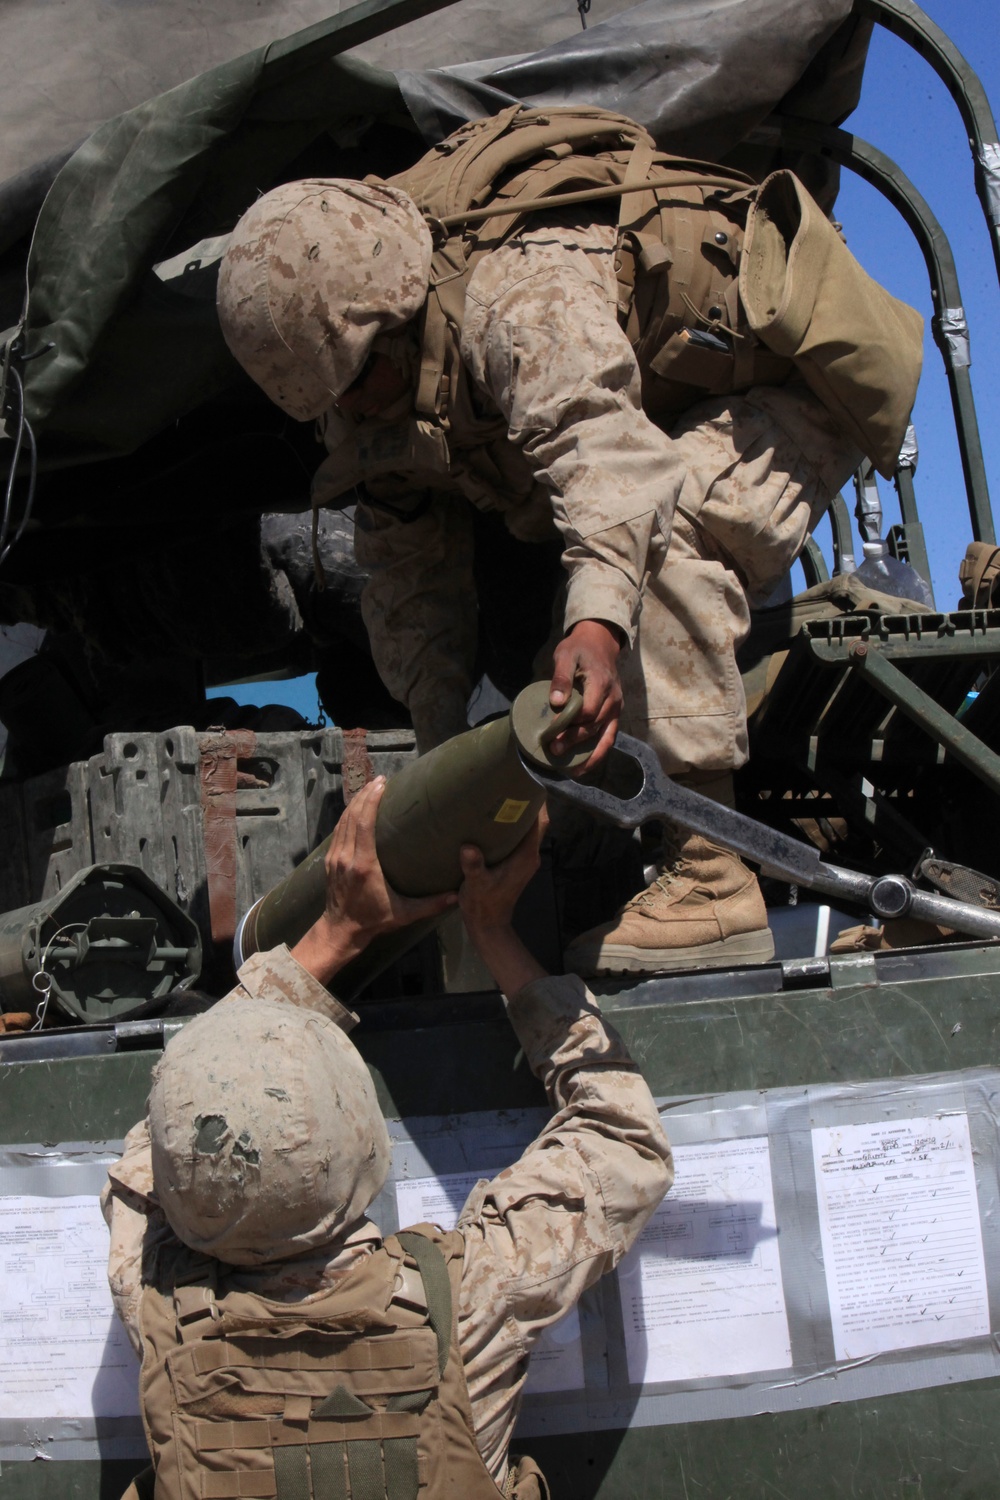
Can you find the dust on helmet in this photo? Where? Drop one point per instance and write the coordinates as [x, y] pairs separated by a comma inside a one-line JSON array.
[[313, 273], [267, 1139]]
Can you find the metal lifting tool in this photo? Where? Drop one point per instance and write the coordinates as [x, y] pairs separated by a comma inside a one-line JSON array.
[[886, 896]]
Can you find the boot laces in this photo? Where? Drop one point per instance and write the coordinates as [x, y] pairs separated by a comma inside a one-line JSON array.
[[672, 866]]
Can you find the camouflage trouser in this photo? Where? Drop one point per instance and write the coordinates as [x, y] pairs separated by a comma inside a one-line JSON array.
[[760, 470]]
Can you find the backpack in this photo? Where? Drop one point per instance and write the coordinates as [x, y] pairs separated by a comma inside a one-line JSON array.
[[678, 216], [722, 284]]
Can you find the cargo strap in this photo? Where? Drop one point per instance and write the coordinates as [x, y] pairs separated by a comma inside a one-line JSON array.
[[356, 769], [220, 753]]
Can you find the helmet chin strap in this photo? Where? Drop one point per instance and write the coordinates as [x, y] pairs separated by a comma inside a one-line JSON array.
[[402, 347]]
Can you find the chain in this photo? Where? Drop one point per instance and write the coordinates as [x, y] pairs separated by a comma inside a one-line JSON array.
[[42, 981]]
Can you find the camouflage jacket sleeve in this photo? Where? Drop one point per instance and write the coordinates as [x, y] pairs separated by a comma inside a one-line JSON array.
[[552, 1224], [419, 607], [542, 340], [276, 975], [128, 1201], [132, 1215]]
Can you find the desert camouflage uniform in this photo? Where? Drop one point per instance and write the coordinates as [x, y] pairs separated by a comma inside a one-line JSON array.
[[668, 536], [536, 1237]]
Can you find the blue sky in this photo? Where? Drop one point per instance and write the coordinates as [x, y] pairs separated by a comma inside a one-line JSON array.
[[906, 111]]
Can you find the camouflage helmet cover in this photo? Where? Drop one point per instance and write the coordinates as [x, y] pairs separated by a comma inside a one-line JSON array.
[[313, 273], [267, 1139]]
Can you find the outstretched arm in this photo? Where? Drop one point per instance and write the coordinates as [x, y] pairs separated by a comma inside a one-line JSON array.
[[541, 338], [550, 1225]]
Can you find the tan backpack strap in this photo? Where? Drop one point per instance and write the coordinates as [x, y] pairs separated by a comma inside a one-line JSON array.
[[633, 208], [433, 340], [445, 305]]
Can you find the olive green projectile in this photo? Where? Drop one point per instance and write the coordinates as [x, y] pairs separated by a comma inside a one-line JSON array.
[[471, 790]]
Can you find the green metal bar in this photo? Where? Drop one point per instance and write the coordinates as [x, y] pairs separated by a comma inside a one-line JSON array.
[[939, 646], [948, 322], [358, 24], [843, 536], [913, 26], [813, 563], [917, 705], [907, 497], [911, 533]]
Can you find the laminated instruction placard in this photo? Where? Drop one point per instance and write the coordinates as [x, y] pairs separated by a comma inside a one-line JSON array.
[[63, 1352], [819, 1244]]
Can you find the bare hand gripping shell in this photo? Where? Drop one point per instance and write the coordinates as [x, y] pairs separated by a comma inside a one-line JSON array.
[[267, 1138], [314, 272]]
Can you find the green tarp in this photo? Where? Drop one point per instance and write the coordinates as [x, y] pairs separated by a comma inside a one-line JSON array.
[[175, 170], [116, 353]]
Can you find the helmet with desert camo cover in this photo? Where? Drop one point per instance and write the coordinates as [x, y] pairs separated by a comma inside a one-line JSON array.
[[267, 1139], [313, 273]]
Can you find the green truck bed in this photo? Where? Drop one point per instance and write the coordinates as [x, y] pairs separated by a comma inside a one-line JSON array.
[[754, 1063]]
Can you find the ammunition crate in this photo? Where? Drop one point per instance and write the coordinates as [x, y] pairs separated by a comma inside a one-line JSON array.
[[141, 802]]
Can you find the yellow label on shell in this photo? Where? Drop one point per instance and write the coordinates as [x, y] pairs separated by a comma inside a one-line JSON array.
[[511, 811]]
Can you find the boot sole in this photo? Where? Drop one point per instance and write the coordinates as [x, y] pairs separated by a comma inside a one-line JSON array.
[[620, 958]]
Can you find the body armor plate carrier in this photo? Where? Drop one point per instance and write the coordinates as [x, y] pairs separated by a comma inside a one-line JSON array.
[[355, 1393]]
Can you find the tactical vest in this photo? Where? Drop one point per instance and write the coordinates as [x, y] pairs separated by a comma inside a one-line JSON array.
[[679, 244], [357, 1393]]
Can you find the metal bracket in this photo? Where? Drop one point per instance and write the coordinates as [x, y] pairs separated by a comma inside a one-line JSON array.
[[959, 881]]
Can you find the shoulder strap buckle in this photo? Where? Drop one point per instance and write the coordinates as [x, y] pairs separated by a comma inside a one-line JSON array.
[[192, 1305]]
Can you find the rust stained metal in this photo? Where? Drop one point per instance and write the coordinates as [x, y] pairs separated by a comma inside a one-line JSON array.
[[356, 768], [220, 752]]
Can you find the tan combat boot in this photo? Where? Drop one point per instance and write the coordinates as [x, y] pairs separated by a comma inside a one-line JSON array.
[[704, 910]]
